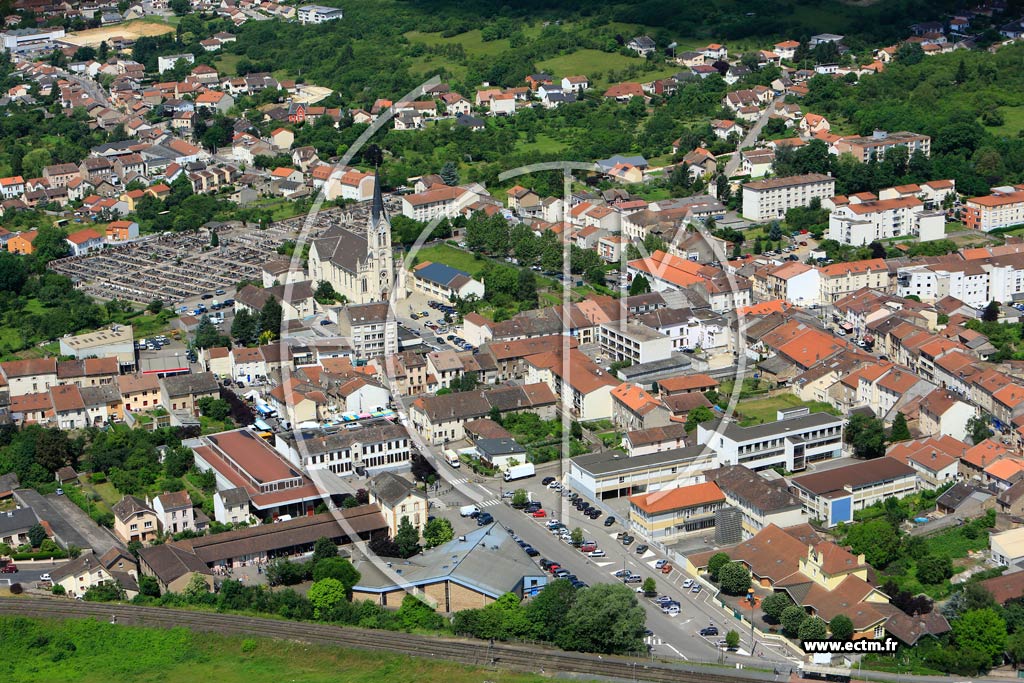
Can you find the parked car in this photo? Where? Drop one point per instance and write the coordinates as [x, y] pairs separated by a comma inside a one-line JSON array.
[[709, 631], [547, 480], [9, 568], [554, 567], [531, 551], [641, 549], [627, 540], [484, 518], [561, 573], [540, 513], [696, 588], [596, 553], [687, 583], [45, 577], [666, 568], [621, 573], [588, 547], [634, 578], [609, 520]]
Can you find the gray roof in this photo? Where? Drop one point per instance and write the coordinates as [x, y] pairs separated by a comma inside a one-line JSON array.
[[9, 482], [735, 432], [128, 506], [345, 438], [100, 394], [17, 520], [499, 447], [753, 490], [183, 385], [961, 491], [485, 560], [611, 462], [234, 497], [343, 248], [391, 489], [859, 474]]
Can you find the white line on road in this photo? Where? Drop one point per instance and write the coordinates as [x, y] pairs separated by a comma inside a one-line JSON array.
[[680, 654]]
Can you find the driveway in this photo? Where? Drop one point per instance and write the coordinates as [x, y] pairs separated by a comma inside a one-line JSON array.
[[70, 525]]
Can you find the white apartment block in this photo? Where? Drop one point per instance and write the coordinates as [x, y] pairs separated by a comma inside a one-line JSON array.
[[318, 14], [767, 199], [861, 222], [633, 341], [795, 439], [976, 282]]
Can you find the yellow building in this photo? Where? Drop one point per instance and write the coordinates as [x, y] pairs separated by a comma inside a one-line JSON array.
[[398, 498], [672, 513]]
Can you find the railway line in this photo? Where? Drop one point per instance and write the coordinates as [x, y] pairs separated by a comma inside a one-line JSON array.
[[471, 652]]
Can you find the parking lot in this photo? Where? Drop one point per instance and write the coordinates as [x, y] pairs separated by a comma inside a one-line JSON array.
[[417, 304]]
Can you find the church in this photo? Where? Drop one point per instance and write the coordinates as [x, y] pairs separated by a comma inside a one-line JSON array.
[[358, 264]]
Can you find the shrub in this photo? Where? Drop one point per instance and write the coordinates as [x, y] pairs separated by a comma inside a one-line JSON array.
[[248, 645], [16, 589]]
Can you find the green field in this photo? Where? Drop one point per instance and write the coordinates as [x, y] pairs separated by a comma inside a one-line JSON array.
[[227, 64], [1013, 121], [35, 651], [471, 41], [542, 144], [450, 256], [760, 410], [596, 65]]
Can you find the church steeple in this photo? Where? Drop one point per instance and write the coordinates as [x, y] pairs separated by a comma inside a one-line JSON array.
[[377, 210]]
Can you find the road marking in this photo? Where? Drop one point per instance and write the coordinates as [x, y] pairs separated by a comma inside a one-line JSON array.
[[680, 654], [489, 503], [603, 564]]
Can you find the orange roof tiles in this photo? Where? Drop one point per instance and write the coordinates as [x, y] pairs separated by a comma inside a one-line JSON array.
[[678, 498]]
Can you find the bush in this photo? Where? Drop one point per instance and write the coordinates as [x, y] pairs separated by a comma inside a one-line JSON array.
[[248, 645], [16, 589], [734, 578]]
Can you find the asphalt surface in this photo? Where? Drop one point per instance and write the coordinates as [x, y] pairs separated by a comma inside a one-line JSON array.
[[70, 525]]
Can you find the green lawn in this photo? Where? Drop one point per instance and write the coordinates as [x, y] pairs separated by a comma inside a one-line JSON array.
[[35, 651], [147, 325], [597, 65], [1013, 121], [760, 410], [227, 64], [450, 256], [542, 144], [433, 65]]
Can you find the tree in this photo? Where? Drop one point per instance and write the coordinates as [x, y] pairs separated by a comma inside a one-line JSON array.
[[991, 312], [180, 7], [933, 569], [732, 639], [877, 249], [526, 287], [196, 587], [32, 163], [775, 232], [214, 239], [649, 586], [547, 612], [909, 54], [149, 586], [981, 633], [325, 595], [450, 174], [734, 578], [214, 408], [841, 627], [899, 431], [155, 306], [103, 592], [867, 436], [577, 537], [271, 316], [519, 498], [715, 563], [1015, 647], [791, 619], [50, 244], [417, 614], [36, 535], [812, 628], [877, 539], [207, 335], [775, 604], [339, 569], [407, 538], [437, 531], [245, 328], [697, 416], [639, 285], [605, 618], [961, 73], [978, 429], [325, 293], [324, 548], [284, 572]]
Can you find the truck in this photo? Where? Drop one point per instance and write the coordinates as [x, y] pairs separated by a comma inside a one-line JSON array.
[[520, 471], [452, 458], [468, 510]]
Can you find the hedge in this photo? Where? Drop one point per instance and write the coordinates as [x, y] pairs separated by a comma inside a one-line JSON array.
[[53, 555]]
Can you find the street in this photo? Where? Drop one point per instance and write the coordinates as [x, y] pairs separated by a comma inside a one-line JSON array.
[[674, 637]]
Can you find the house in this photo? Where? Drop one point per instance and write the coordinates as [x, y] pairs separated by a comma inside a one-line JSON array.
[[642, 45], [444, 283], [723, 128], [624, 92], [812, 125], [88, 570], [576, 84], [21, 243], [84, 241], [135, 520], [634, 408], [174, 512], [1007, 548], [122, 231], [181, 393], [942, 413], [15, 525], [231, 506], [398, 499], [786, 49], [318, 14]]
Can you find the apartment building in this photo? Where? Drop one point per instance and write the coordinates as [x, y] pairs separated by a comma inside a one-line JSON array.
[[796, 438], [633, 341], [768, 199], [1001, 209], [670, 514], [861, 221], [874, 146], [318, 14], [436, 202], [841, 279], [370, 329]]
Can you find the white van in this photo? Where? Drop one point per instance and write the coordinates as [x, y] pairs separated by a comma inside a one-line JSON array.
[[452, 458], [468, 510]]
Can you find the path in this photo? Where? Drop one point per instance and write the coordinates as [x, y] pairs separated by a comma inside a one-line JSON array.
[[751, 138]]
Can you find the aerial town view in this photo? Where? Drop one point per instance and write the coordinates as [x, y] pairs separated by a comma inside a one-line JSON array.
[[465, 342]]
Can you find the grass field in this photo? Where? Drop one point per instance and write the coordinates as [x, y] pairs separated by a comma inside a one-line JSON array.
[[542, 144], [471, 41], [1013, 121], [596, 64], [92, 652], [450, 256], [761, 410], [227, 64]]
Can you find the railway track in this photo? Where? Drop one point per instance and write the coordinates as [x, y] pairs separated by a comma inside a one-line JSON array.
[[471, 652]]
